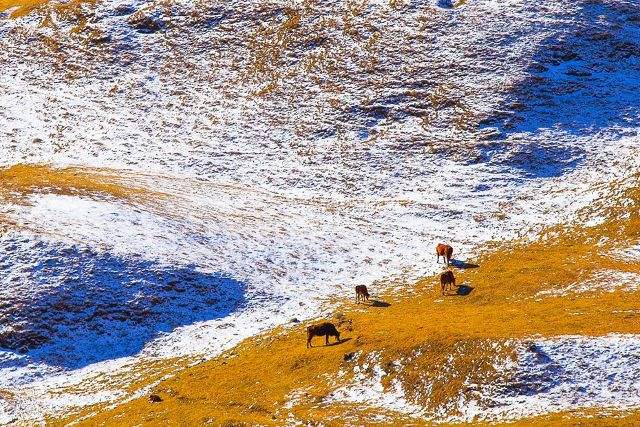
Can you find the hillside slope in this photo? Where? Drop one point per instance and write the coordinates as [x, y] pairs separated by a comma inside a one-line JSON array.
[[178, 176], [534, 333]]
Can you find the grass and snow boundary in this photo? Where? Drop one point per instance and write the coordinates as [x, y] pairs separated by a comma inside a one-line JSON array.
[[556, 374]]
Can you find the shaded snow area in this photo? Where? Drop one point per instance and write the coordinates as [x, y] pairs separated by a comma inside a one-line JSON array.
[[300, 149]]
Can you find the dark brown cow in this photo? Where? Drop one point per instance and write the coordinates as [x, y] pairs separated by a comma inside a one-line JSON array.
[[445, 251], [361, 292], [447, 278], [326, 329]]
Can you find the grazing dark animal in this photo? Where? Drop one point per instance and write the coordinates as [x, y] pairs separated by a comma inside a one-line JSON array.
[[447, 278], [154, 398], [362, 293], [445, 251], [326, 329]]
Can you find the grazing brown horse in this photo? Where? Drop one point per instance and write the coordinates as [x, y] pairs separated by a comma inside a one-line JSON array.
[[445, 251], [361, 292], [447, 278], [326, 329]]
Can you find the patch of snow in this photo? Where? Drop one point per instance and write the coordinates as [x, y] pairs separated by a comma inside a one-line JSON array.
[[563, 374], [557, 374], [601, 281], [631, 254], [367, 389]]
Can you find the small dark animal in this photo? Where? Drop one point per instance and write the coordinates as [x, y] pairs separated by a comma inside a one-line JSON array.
[[445, 251], [362, 293], [326, 329], [447, 278], [154, 398]]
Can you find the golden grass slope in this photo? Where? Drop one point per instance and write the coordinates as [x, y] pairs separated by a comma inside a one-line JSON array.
[[19, 181], [21, 8], [452, 341]]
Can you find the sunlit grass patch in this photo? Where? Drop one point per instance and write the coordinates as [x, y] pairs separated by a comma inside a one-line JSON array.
[[18, 182], [21, 8]]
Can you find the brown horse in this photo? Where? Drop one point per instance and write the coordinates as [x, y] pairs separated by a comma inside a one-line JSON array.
[[445, 251], [326, 329], [362, 293], [447, 279]]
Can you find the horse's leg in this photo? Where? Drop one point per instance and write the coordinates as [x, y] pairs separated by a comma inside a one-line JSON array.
[[438, 258], [309, 342], [326, 339]]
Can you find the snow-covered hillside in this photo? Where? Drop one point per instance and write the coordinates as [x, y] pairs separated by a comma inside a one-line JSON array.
[[295, 148]]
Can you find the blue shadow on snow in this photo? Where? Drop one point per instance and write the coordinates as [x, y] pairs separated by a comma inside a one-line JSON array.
[[583, 79], [84, 306]]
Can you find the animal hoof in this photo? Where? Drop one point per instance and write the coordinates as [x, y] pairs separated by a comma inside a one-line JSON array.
[[154, 398]]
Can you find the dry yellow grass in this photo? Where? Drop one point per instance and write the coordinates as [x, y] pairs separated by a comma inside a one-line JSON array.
[[19, 181], [21, 8], [252, 383]]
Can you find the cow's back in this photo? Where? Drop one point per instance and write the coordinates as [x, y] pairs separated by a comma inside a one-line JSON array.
[[325, 328]]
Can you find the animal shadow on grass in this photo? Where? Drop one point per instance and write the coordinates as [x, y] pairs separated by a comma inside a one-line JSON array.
[[462, 265], [464, 290], [378, 303], [331, 344]]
